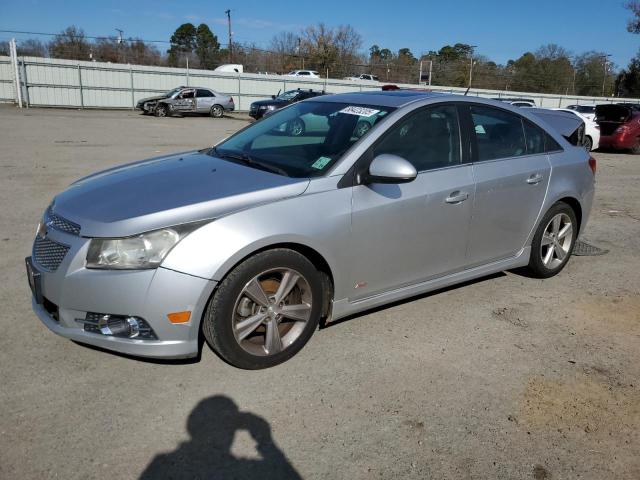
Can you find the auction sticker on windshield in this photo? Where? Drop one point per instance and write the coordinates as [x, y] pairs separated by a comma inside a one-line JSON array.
[[360, 111]]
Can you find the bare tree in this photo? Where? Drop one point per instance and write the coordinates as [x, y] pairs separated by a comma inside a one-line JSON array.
[[71, 43], [633, 25]]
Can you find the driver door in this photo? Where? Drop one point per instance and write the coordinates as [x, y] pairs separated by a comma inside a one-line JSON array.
[[186, 101], [411, 232]]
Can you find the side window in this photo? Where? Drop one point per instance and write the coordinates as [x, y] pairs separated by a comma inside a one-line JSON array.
[[535, 138], [204, 93], [303, 73], [429, 138], [499, 134], [187, 94]]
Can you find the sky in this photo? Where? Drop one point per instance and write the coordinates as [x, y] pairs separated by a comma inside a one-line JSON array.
[[501, 29]]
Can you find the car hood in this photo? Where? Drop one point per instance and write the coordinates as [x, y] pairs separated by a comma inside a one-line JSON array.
[[266, 103], [167, 191], [151, 99]]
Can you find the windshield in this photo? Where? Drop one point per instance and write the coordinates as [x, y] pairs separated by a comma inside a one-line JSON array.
[[303, 140], [173, 92], [585, 109], [290, 95]]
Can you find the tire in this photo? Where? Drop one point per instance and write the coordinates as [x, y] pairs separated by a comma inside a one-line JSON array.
[[636, 147], [216, 111], [161, 111], [233, 303], [588, 143], [362, 127], [545, 265], [296, 128]]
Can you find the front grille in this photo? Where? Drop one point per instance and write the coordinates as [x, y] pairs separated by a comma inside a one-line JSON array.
[[48, 254], [62, 224]]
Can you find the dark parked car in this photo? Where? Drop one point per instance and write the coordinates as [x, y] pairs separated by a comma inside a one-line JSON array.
[[186, 100], [261, 108], [619, 127]]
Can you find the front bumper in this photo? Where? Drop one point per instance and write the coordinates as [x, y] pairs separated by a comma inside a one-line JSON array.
[[71, 291]]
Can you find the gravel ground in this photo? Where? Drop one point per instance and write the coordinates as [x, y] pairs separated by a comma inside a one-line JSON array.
[[505, 377]]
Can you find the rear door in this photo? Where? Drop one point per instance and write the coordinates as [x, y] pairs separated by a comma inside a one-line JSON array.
[[204, 100], [511, 172]]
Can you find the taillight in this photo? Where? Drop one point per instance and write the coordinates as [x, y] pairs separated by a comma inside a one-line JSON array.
[[231, 99], [623, 129], [592, 164]]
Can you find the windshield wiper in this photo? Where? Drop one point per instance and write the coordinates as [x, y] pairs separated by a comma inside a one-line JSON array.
[[248, 160]]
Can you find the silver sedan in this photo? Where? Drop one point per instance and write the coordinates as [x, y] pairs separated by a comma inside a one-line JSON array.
[[188, 100], [256, 241]]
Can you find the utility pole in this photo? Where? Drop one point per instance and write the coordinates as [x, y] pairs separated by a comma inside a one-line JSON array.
[[228, 12], [604, 77], [471, 62], [120, 40], [420, 74], [430, 70]]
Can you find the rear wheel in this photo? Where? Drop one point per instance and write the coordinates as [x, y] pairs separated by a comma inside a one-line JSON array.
[[216, 111], [553, 241], [296, 127], [265, 310], [588, 144]]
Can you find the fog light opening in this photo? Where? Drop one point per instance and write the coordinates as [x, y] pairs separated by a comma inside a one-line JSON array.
[[120, 326]]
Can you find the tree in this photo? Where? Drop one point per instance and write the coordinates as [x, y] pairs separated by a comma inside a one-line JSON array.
[[628, 81], [590, 74], [207, 47], [32, 48], [71, 44], [183, 43], [633, 25]]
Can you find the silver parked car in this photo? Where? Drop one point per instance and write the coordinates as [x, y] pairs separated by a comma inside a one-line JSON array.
[[257, 240], [187, 100]]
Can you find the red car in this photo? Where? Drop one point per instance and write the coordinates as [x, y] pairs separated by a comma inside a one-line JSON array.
[[619, 126]]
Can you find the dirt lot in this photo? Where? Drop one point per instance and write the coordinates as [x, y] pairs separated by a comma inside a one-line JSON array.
[[507, 377]]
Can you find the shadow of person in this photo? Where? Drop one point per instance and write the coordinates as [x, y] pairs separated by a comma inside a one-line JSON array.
[[212, 425]]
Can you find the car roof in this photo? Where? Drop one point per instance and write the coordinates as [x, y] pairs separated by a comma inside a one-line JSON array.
[[389, 98]]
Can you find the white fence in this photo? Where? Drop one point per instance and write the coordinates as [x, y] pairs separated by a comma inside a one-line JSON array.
[[69, 83]]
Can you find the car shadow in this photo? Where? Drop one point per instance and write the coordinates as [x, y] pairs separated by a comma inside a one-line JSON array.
[[212, 426], [412, 299]]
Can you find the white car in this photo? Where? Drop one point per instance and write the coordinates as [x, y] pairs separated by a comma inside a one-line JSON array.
[[364, 77], [303, 73], [591, 132], [588, 111]]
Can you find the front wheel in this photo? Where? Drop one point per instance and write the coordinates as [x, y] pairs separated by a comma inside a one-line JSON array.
[[265, 310], [161, 111], [588, 144], [636, 147], [216, 111], [553, 241]]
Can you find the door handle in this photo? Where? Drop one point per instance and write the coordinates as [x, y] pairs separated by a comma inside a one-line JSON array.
[[456, 197], [534, 179]]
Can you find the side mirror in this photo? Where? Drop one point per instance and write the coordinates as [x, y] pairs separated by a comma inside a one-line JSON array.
[[389, 168], [273, 97]]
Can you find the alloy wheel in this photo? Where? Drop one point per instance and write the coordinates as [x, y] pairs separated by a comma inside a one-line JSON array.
[[272, 311], [556, 241]]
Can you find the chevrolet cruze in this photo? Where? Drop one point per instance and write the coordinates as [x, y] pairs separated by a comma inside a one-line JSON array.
[[257, 240]]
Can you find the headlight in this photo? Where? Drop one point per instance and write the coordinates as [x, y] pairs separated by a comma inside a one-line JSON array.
[[143, 251], [271, 107]]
